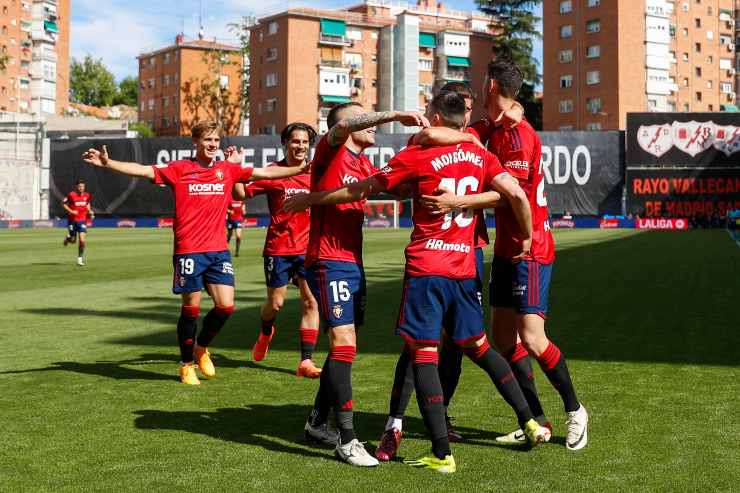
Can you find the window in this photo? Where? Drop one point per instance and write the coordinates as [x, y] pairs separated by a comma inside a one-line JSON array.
[[710, 35], [151, 83], [566, 31], [710, 59], [685, 57], [697, 96], [671, 106], [566, 106], [673, 56], [143, 106], [566, 6], [152, 61], [165, 122], [697, 47], [151, 104], [697, 22], [165, 102], [271, 80], [271, 55], [686, 107], [593, 126], [686, 82], [272, 27], [685, 31], [565, 56], [593, 51], [593, 26], [709, 10], [375, 83], [594, 3], [566, 81], [426, 64], [271, 105], [167, 57], [593, 77], [710, 84], [710, 107], [269, 130], [354, 34], [593, 105], [223, 81], [652, 103], [725, 87], [685, 7], [697, 71], [166, 80]]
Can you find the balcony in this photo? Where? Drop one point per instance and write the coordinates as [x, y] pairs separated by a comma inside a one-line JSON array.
[[334, 64], [328, 39]]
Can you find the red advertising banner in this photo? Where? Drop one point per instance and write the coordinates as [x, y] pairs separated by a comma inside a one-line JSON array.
[[609, 223], [662, 223], [165, 222], [563, 223]]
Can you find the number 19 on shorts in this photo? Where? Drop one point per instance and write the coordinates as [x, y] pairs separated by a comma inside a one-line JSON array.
[[187, 266]]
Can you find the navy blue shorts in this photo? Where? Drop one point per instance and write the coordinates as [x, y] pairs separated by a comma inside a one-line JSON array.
[[523, 286], [194, 270], [75, 227], [233, 224], [280, 270], [432, 302], [339, 287], [480, 269]]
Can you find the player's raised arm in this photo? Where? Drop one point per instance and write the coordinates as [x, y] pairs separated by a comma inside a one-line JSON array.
[[100, 158], [338, 134], [441, 136], [349, 193], [277, 172]]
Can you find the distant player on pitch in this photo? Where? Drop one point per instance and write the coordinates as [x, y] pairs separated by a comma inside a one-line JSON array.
[[234, 218], [202, 188], [285, 248], [78, 205], [440, 287]]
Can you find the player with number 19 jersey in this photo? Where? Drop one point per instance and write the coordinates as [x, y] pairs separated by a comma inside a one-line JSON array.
[[440, 259]]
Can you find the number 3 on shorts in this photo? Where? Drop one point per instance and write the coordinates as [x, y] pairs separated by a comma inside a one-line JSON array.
[[340, 291], [187, 266]]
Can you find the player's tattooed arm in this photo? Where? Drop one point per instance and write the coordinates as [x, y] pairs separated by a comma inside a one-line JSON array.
[[440, 136], [338, 134], [100, 158], [348, 193]]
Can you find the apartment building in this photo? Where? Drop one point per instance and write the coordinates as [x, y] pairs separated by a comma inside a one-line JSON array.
[[34, 44], [605, 58], [382, 54], [171, 81]]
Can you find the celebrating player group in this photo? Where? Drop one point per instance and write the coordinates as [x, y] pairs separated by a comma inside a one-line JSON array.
[[452, 170]]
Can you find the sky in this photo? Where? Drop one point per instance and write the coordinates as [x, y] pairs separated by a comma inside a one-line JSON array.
[[119, 30]]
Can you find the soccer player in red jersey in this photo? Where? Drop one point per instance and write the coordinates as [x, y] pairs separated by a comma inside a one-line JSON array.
[[78, 205], [202, 189], [334, 267], [234, 218], [285, 248], [440, 286], [519, 290]]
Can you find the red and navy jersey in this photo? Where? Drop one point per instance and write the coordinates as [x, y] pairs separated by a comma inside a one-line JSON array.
[[236, 210], [520, 151], [79, 203], [288, 231], [442, 245], [202, 196], [336, 230]]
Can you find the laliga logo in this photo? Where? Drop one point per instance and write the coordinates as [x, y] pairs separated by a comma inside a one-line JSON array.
[[690, 137]]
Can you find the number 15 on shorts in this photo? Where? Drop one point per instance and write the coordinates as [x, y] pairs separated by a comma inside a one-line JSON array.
[[340, 291]]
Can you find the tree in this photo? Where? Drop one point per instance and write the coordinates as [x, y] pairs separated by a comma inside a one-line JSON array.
[[143, 128], [209, 97], [241, 31], [128, 91], [515, 27], [91, 83]]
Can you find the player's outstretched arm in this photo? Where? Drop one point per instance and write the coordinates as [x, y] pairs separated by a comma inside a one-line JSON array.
[[348, 193], [277, 172], [441, 136], [238, 192], [338, 134], [445, 201], [100, 158]]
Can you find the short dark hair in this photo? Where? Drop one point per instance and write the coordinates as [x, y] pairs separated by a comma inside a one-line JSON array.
[[287, 132], [451, 107], [459, 87], [507, 73], [205, 127], [332, 119], [80, 181]]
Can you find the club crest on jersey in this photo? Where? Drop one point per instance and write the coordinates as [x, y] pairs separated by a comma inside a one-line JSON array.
[[219, 174], [337, 311]]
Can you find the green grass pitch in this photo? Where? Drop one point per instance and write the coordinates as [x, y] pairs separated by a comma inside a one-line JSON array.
[[90, 401]]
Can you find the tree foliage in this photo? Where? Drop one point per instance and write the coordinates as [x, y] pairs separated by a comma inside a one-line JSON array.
[[91, 83], [207, 98], [516, 28], [128, 91], [241, 31], [143, 128]]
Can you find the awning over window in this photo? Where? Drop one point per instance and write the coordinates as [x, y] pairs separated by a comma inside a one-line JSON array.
[[333, 27], [427, 40], [335, 99], [51, 26], [729, 108], [458, 61]]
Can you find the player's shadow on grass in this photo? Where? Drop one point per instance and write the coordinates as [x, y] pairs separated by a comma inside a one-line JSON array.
[[279, 428], [155, 313]]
